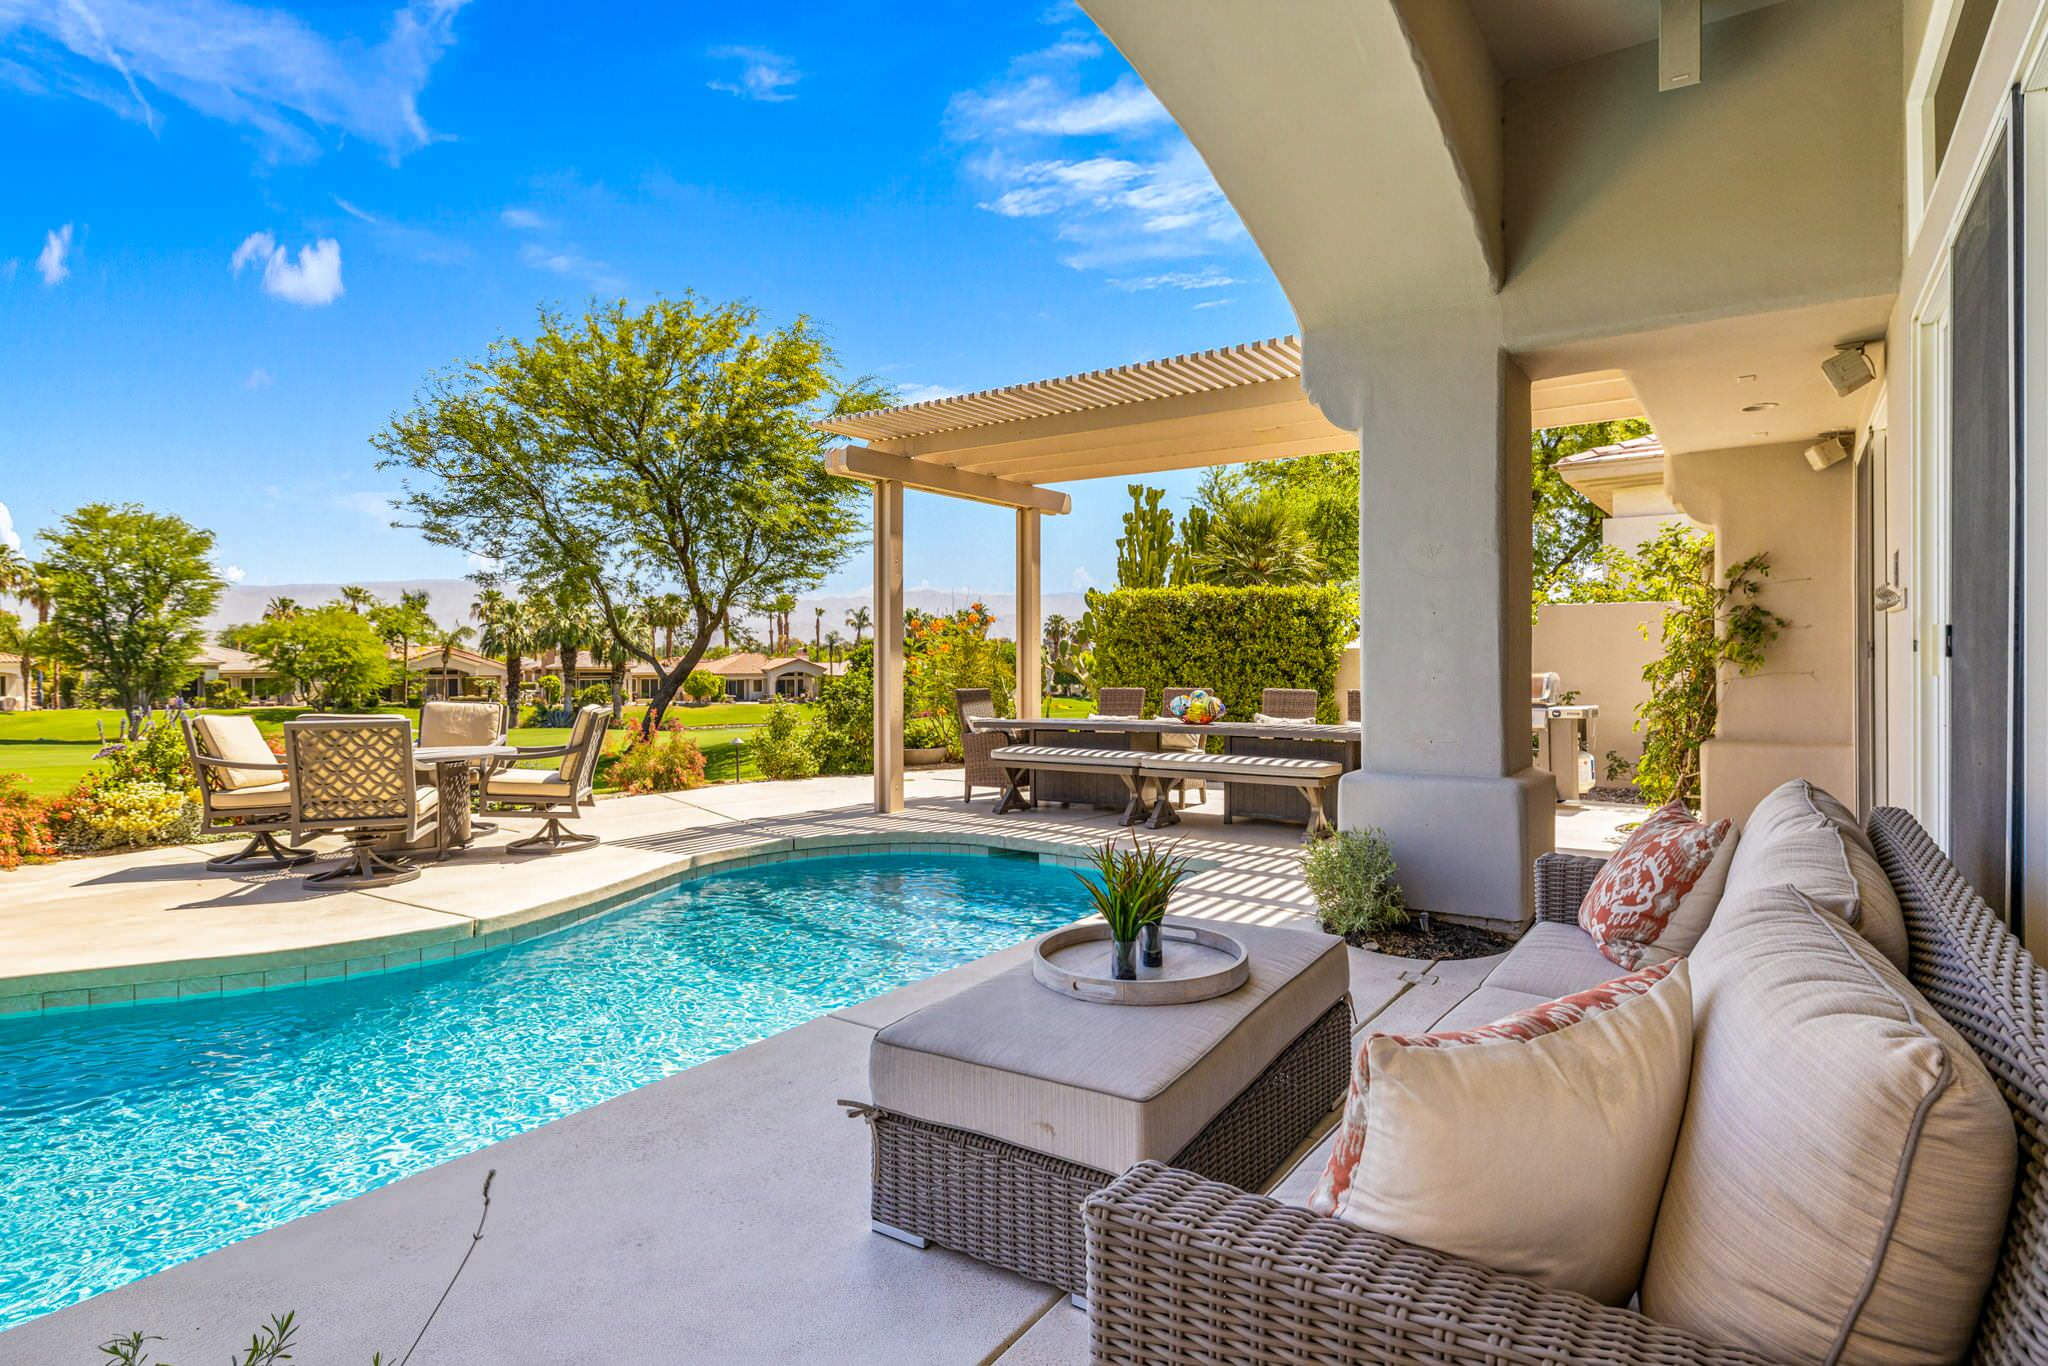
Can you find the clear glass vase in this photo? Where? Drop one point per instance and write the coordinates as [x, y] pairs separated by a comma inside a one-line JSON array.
[[1151, 951], [1123, 959]]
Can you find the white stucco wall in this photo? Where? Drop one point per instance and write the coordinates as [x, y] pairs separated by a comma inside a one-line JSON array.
[[1598, 650]]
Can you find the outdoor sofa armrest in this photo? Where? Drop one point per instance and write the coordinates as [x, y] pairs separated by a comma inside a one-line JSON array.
[[1562, 881], [1183, 1269]]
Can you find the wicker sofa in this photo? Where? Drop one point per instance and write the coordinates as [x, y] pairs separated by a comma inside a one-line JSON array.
[[1181, 1269]]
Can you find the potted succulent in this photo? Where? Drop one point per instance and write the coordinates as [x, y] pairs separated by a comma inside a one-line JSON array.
[[924, 740], [1130, 892]]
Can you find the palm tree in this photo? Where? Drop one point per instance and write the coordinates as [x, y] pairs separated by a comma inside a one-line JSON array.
[[833, 641], [1253, 541], [818, 632], [355, 597], [505, 623], [666, 613], [280, 609], [860, 619]]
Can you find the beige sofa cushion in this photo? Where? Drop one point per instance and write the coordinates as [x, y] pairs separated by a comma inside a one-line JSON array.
[[266, 797], [236, 739], [1552, 960], [1544, 1156], [1800, 836], [1104, 1086], [1842, 1179]]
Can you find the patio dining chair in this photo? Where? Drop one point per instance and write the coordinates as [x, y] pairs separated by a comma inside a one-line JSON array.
[[1120, 702], [242, 789], [567, 789], [981, 770], [354, 775], [1182, 741], [461, 723], [1289, 704]]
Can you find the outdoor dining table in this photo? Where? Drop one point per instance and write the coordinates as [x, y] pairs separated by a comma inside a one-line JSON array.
[[1281, 739], [454, 766]]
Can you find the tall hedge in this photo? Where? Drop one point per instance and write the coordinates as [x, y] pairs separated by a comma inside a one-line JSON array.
[[1233, 641]]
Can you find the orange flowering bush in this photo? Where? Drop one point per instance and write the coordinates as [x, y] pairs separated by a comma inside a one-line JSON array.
[[668, 762], [944, 653], [24, 824]]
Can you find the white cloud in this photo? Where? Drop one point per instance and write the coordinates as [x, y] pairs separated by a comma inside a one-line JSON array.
[[259, 378], [485, 564], [525, 220], [1083, 580], [571, 262], [50, 261], [9, 537], [763, 75], [362, 215], [263, 68], [233, 573], [1215, 303], [923, 393], [1103, 166], [1208, 277], [314, 279]]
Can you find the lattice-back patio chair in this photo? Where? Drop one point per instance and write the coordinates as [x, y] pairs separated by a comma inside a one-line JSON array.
[[567, 789], [242, 789], [354, 775]]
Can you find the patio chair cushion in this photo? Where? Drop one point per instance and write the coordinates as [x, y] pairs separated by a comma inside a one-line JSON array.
[[1552, 960], [528, 784], [1636, 910], [1802, 837], [1586, 1093], [267, 797], [1105, 1086], [236, 739], [460, 723], [1843, 1176]]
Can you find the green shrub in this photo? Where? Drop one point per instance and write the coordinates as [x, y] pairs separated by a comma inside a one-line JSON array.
[[1235, 642], [668, 762], [703, 686], [782, 745], [593, 695], [223, 694], [926, 732], [158, 758], [843, 730], [1352, 875], [550, 686], [99, 814]]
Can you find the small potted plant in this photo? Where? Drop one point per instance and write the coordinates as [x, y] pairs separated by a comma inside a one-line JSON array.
[[924, 740], [1131, 897]]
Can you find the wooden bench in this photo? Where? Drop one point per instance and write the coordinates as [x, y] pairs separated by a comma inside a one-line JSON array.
[[1019, 761], [1310, 777]]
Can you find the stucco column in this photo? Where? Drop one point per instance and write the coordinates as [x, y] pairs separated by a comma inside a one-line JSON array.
[[888, 735], [1029, 621], [1444, 513]]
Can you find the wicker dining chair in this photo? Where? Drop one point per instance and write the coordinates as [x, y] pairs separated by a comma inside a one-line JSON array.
[[1354, 705], [354, 775], [981, 770], [242, 789], [1290, 704], [1188, 740], [1120, 702], [567, 789]]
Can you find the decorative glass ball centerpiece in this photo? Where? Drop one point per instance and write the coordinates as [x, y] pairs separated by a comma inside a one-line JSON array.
[[1197, 707]]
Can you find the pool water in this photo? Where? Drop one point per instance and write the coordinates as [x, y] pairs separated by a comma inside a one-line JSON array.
[[136, 1138]]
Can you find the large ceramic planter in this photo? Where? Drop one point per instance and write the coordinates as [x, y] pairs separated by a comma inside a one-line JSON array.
[[924, 756]]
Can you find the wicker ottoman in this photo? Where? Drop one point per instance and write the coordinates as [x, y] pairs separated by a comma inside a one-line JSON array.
[[998, 1110]]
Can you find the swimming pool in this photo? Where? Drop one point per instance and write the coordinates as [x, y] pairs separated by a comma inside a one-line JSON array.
[[134, 1139]]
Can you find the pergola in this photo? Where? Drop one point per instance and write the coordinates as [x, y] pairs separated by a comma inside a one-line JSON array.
[[1003, 446]]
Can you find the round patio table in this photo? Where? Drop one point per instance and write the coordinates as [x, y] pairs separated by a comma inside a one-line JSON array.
[[453, 766]]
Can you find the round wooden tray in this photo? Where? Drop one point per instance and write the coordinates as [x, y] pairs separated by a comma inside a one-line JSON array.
[[1200, 963]]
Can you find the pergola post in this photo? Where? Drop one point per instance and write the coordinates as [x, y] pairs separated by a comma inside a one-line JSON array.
[[888, 646], [1030, 628]]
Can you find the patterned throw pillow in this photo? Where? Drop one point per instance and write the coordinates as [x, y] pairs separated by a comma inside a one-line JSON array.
[[1631, 903], [1523, 1025]]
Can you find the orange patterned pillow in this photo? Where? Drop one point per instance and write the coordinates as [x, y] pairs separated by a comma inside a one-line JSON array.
[[1630, 905], [1523, 1025]]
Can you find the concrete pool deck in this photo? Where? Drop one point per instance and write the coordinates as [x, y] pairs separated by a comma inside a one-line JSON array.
[[717, 1215]]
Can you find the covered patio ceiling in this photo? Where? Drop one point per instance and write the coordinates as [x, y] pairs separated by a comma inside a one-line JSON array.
[[1232, 404]]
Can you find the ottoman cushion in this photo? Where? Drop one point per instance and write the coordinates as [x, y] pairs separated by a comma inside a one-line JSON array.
[[1104, 1086]]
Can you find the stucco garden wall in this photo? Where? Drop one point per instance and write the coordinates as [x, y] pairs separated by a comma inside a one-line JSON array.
[[1599, 650]]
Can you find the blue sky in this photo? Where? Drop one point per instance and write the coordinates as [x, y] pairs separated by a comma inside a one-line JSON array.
[[235, 238]]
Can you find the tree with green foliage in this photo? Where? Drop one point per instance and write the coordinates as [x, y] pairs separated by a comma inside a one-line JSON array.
[[505, 632], [1257, 540], [1710, 625], [129, 589], [635, 452], [1189, 546], [398, 624], [1565, 525], [703, 686], [330, 654], [1144, 553], [1318, 492]]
